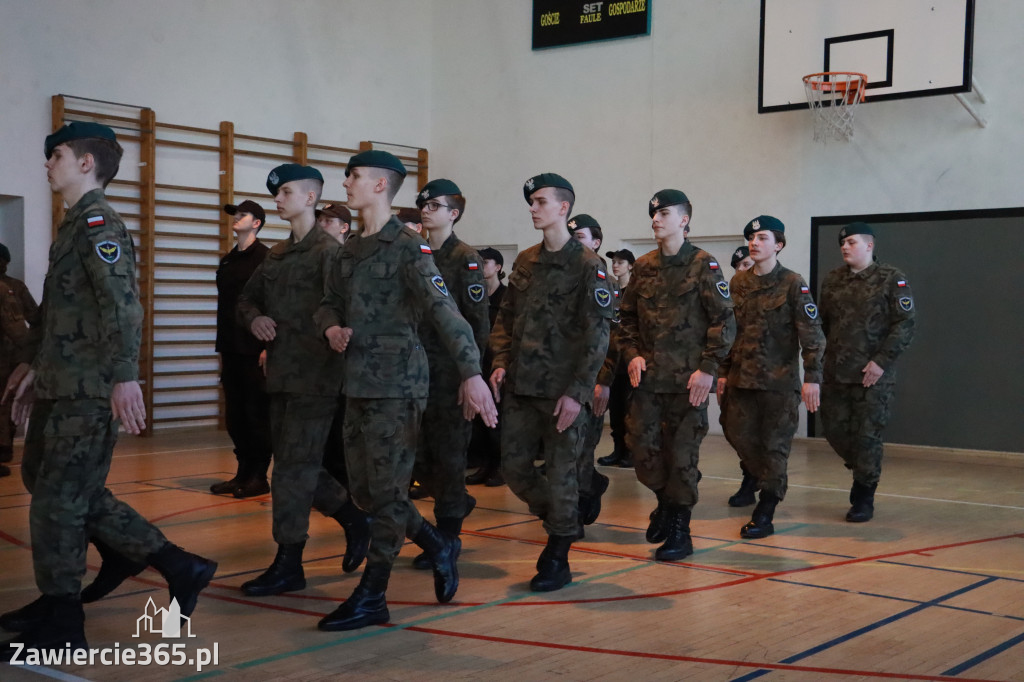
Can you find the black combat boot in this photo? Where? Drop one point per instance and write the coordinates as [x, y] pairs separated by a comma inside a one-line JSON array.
[[186, 574], [63, 626], [285, 574], [27, 616], [862, 497], [229, 486], [678, 544], [443, 551], [356, 524], [114, 570], [367, 604], [760, 524], [590, 503], [657, 530], [553, 571], [451, 526], [613, 459], [746, 495]]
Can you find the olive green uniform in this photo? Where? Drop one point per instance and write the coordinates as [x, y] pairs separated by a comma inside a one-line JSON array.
[[775, 318], [866, 316], [17, 310], [303, 377], [88, 341], [382, 286], [605, 377], [677, 315], [551, 337]]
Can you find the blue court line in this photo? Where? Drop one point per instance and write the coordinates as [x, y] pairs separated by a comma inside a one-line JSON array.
[[842, 639], [985, 655]]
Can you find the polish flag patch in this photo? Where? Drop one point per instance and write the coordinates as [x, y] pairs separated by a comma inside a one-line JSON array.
[[901, 283], [473, 266], [713, 265], [804, 290], [425, 249], [601, 275], [95, 221]]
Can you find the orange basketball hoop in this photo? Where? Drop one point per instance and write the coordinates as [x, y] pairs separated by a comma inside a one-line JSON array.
[[832, 97]]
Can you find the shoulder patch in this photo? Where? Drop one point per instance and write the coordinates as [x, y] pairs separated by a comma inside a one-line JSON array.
[[811, 310], [713, 265], [901, 283], [476, 292], [906, 303], [108, 251], [723, 288], [425, 249], [804, 290], [96, 221], [603, 297], [601, 274], [439, 284], [472, 265]]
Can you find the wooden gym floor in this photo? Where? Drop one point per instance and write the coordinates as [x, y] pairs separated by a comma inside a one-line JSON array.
[[931, 589]]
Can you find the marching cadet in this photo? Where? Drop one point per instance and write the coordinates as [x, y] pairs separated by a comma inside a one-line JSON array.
[[620, 390], [549, 341], [18, 312], [444, 432], [676, 327], [759, 387], [383, 284], [867, 311], [303, 377], [335, 220], [82, 382]]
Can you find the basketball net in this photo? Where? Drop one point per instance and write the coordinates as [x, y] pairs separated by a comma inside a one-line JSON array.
[[833, 97]]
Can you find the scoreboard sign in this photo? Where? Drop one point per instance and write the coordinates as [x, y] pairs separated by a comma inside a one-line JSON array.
[[566, 22]]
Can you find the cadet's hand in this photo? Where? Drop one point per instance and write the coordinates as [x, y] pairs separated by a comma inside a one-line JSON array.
[[475, 398], [263, 328], [811, 394], [497, 379], [637, 366], [263, 362], [872, 373], [338, 337], [720, 390], [699, 386], [566, 409], [24, 396], [127, 405], [601, 395], [17, 375]]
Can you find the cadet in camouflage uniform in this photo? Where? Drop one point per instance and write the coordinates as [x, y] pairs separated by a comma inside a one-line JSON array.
[[677, 325], [592, 483], [549, 341], [444, 431], [303, 376], [867, 311], [759, 386], [17, 310], [383, 284], [82, 381]]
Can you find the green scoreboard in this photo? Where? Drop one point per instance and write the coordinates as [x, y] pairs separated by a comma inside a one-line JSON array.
[[566, 22]]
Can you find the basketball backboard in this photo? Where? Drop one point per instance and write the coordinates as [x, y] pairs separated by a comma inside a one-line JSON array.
[[907, 48]]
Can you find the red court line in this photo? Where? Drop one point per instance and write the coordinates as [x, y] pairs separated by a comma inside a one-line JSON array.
[[207, 506]]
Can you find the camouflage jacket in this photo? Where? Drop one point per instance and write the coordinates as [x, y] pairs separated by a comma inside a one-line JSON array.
[[91, 316], [775, 318], [613, 358], [382, 286], [677, 315], [866, 316], [287, 287], [18, 311], [460, 266], [551, 335]]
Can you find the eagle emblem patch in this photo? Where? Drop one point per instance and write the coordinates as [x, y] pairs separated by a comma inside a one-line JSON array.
[[439, 284], [476, 292], [603, 297], [108, 251], [907, 303], [723, 289], [811, 310]]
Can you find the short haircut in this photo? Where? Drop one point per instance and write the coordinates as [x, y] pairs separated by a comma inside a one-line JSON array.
[[106, 156], [687, 208], [562, 194], [312, 185], [595, 232], [409, 215], [394, 178], [780, 237], [457, 201]]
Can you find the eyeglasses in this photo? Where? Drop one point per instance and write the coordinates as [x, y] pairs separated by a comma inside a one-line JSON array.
[[434, 206]]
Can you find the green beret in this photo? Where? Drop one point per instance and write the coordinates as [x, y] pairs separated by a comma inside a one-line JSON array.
[[666, 197], [580, 221], [763, 222], [376, 158], [738, 255], [289, 172], [5, 254], [437, 188], [855, 228], [77, 130], [546, 180]]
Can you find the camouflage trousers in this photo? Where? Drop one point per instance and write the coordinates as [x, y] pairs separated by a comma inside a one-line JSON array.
[[299, 425], [441, 453], [528, 431], [380, 451], [593, 429], [854, 418], [7, 427], [760, 425], [68, 447], [664, 433]]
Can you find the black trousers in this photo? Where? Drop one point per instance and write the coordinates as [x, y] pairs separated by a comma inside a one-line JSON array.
[[618, 406], [247, 412]]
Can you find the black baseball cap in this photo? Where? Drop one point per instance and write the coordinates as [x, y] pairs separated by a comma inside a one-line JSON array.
[[623, 254], [247, 206]]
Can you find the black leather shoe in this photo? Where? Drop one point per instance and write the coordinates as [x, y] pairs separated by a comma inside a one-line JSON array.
[[366, 606], [657, 530], [356, 524], [252, 487], [27, 616], [443, 551], [496, 480], [62, 628], [862, 499], [480, 476], [285, 574], [611, 459], [627, 461], [760, 524], [553, 572], [678, 544], [4, 470], [746, 495], [114, 570], [417, 491], [227, 487]]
